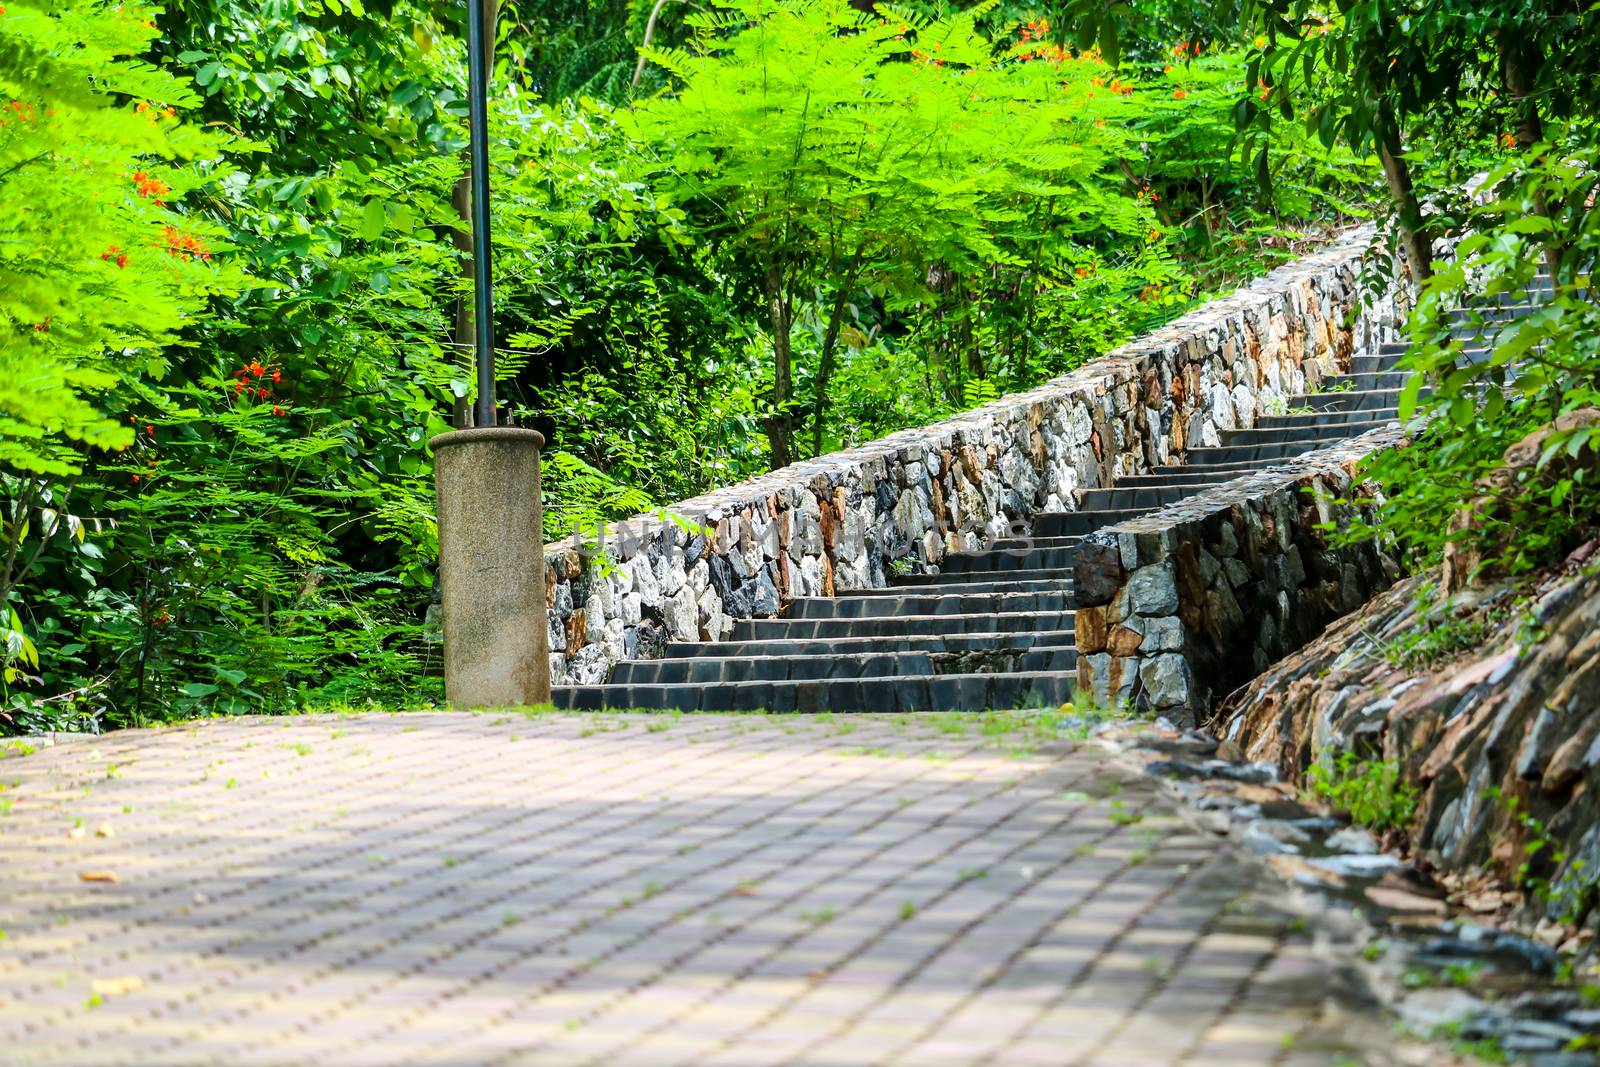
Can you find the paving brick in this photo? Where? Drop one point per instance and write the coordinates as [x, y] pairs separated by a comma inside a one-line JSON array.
[[725, 892]]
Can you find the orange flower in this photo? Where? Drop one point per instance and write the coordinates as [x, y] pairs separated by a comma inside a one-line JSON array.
[[1179, 94]]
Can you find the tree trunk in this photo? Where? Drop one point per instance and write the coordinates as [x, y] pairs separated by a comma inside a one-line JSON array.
[[1413, 226], [461, 200], [780, 424], [1529, 132], [830, 346]]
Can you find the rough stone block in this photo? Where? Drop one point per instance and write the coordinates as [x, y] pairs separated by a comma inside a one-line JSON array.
[[1098, 571], [1153, 590]]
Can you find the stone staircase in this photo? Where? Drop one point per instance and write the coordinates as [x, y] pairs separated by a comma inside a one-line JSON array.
[[992, 629]]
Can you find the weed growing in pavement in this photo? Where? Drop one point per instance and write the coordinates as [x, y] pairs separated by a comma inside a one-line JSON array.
[[1486, 1049], [1121, 816]]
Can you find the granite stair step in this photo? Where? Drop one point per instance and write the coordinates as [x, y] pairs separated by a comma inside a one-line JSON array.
[[857, 646], [1345, 400], [1006, 543], [905, 693], [1264, 455], [700, 670], [1382, 361], [1312, 436], [901, 625], [1393, 379], [1011, 559], [926, 603], [1325, 418], [1136, 499], [1176, 480], [1040, 581], [1080, 522], [703, 670]]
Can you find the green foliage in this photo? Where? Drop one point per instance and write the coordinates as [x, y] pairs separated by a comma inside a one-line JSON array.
[[97, 269], [1547, 873], [1372, 791], [1214, 203], [231, 274], [1439, 633], [840, 158], [1453, 96]]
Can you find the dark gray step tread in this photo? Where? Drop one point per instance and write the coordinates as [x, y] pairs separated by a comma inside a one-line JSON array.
[[853, 646], [919, 603], [1138, 499], [695, 670], [1173, 481], [1086, 520], [1324, 418], [1208, 469], [1007, 543], [895, 625], [1346, 400], [1054, 580], [1008, 561], [1266, 455], [948, 692], [1315, 434], [1373, 380], [705, 670]]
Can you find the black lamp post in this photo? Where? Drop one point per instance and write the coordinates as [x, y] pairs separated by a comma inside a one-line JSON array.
[[491, 526], [482, 283]]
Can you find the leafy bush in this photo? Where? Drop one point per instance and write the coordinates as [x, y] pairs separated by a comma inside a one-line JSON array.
[[1372, 791]]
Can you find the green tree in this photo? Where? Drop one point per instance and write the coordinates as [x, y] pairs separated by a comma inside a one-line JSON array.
[[836, 152], [97, 268]]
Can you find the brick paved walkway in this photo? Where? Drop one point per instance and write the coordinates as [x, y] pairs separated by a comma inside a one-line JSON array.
[[705, 891]]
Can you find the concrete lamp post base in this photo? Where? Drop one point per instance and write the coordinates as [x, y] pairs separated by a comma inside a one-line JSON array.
[[491, 567]]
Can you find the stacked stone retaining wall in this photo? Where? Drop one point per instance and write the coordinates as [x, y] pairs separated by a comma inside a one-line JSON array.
[[1182, 605]]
